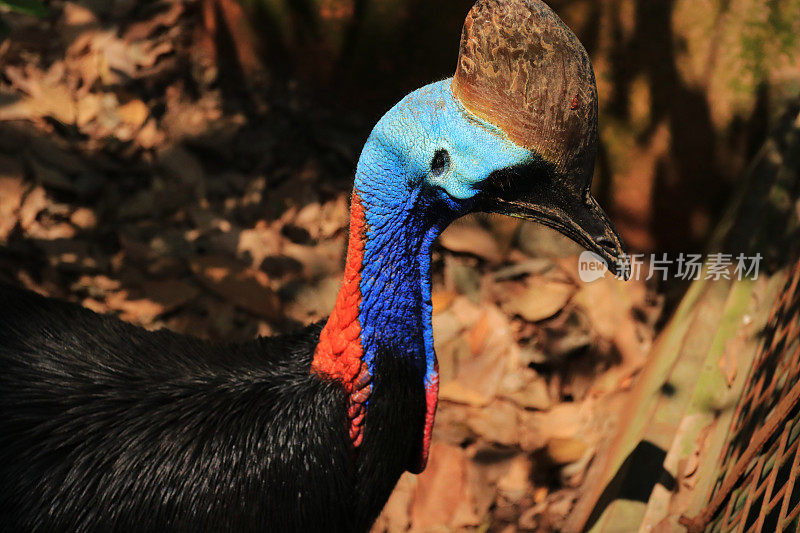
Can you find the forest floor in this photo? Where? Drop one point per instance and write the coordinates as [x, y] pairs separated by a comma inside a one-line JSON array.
[[142, 175]]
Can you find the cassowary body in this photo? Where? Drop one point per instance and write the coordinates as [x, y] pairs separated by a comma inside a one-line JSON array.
[[107, 427]]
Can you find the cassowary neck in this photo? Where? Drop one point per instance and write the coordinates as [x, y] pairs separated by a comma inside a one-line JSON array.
[[384, 306]]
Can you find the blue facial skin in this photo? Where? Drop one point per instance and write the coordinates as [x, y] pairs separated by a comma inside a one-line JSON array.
[[407, 204]]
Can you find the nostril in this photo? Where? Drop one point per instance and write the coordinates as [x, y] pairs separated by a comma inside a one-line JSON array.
[[605, 242]]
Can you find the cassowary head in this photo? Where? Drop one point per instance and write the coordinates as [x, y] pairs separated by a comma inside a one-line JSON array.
[[513, 132]]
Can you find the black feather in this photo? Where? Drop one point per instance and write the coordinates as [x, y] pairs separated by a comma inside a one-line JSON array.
[[107, 427]]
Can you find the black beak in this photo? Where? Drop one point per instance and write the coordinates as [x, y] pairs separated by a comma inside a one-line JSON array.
[[555, 202]]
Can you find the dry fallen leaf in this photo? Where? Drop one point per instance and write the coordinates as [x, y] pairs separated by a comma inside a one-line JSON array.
[[150, 135], [259, 242], [454, 391], [245, 287], [498, 422], [47, 95], [134, 113], [565, 450], [34, 203], [314, 301], [491, 348], [84, 218], [470, 238], [440, 489], [140, 311], [171, 294], [562, 420], [97, 286], [95, 305], [532, 394], [541, 299], [12, 189], [88, 109], [441, 300], [76, 15], [167, 18], [516, 482]]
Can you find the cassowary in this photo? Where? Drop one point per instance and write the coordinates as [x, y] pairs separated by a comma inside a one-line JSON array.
[[107, 427]]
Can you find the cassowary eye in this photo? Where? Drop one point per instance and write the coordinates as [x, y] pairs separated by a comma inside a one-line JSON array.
[[440, 162]]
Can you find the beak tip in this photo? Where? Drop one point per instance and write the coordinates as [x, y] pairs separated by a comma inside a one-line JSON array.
[[619, 266], [612, 251]]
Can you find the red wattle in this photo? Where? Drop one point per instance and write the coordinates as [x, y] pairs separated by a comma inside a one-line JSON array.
[[339, 352], [431, 401]]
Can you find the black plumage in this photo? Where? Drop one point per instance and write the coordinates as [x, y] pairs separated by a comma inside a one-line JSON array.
[[107, 427]]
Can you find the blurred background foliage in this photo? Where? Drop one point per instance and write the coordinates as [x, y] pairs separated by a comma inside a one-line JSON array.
[[28, 7], [688, 89]]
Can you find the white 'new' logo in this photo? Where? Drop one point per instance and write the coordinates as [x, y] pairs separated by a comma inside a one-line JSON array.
[[591, 267]]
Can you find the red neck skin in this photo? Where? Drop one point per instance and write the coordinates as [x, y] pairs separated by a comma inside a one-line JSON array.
[[339, 352]]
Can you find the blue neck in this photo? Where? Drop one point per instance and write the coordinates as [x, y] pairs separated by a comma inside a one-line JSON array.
[[395, 313]]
